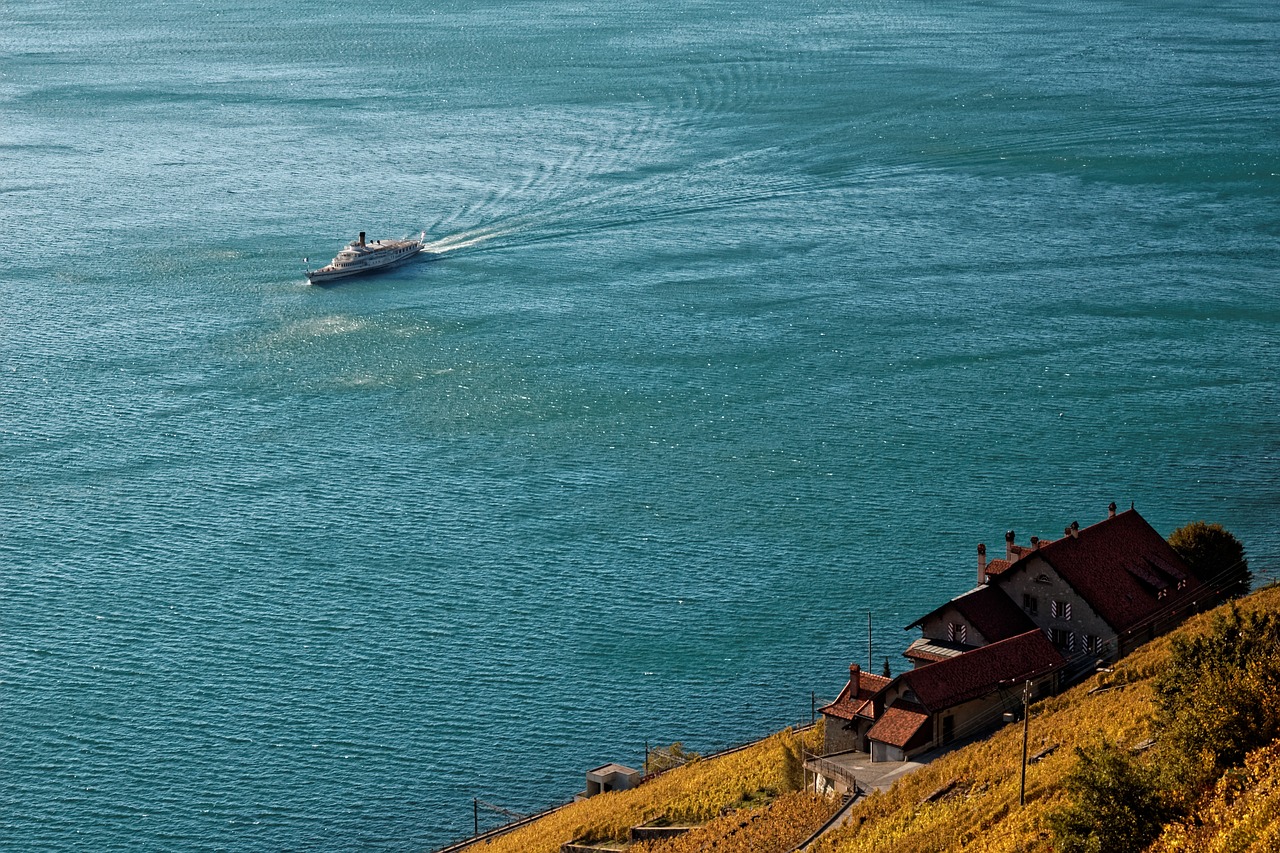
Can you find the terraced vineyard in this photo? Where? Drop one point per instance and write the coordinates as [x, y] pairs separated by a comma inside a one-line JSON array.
[[779, 826], [695, 793], [969, 799]]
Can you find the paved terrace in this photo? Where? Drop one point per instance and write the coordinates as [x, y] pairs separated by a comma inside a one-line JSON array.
[[857, 771], [860, 773]]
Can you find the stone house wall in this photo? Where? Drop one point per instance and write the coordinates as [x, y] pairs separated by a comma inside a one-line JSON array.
[[1059, 611]]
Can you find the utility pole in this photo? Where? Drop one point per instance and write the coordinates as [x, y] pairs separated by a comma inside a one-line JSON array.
[[1026, 726]]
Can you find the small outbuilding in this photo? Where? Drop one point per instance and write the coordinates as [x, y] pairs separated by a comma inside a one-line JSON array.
[[611, 777]]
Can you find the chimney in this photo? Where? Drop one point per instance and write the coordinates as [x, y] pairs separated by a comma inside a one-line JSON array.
[[855, 678], [1075, 529], [982, 564], [1111, 510], [1008, 545], [361, 238]]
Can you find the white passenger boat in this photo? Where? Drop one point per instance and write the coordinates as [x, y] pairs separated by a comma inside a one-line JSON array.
[[359, 257]]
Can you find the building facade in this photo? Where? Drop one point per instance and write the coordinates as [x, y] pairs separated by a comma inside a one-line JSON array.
[[1048, 613]]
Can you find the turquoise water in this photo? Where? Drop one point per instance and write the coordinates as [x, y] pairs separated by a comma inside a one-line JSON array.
[[748, 322]]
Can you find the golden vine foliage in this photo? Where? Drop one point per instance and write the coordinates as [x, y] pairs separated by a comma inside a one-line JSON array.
[[982, 813], [693, 793], [1242, 816], [779, 826]]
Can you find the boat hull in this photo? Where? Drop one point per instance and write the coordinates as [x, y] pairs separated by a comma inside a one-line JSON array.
[[371, 258]]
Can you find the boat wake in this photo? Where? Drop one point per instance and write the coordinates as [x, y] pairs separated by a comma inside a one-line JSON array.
[[465, 239]]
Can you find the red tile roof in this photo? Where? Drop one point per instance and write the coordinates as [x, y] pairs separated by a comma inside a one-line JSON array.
[[847, 706], [1120, 566], [899, 723], [996, 567], [974, 674], [990, 610]]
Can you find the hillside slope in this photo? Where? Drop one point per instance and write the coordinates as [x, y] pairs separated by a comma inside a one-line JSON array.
[[967, 800], [693, 794], [981, 812]]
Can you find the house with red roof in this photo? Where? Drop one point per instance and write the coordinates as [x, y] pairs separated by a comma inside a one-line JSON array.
[[1047, 613], [982, 616], [1102, 591], [854, 712], [934, 704]]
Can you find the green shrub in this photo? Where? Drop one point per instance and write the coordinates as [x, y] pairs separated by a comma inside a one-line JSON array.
[[1216, 699], [1115, 804]]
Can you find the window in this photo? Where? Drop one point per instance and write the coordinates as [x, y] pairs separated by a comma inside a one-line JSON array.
[[1063, 639], [956, 632], [1060, 610], [1092, 644], [1030, 603]]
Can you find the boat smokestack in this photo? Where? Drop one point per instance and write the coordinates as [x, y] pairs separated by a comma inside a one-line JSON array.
[[361, 238]]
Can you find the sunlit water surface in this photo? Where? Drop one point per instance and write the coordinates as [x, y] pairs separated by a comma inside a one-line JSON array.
[[748, 322]]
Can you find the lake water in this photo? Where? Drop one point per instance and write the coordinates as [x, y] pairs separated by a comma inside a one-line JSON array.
[[748, 323]]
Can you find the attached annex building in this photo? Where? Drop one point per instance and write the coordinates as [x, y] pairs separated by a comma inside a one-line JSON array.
[[1046, 615]]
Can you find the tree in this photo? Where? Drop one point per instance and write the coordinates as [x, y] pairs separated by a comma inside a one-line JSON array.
[[1115, 807], [1214, 556], [792, 772]]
